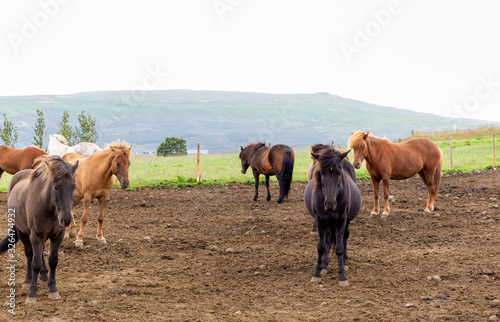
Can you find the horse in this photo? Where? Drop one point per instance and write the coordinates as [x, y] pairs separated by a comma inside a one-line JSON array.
[[268, 161], [94, 181], [58, 145], [14, 160], [310, 170], [397, 161], [333, 199], [39, 205]]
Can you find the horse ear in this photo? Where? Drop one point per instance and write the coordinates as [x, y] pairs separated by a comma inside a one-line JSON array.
[[315, 156], [343, 155], [74, 167], [241, 148], [366, 135]]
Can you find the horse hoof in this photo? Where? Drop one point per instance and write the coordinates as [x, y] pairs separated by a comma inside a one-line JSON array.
[[72, 234], [346, 268], [316, 279], [324, 272], [373, 214], [102, 240], [385, 215], [30, 300], [312, 232], [79, 243], [26, 286], [54, 295], [428, 210], [344, 283]]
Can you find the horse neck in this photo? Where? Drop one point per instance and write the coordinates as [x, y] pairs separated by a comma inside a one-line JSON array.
[[373, 144], [104, 160], [4, 149]]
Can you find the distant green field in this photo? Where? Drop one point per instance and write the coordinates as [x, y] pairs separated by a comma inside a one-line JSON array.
[[471, 151]]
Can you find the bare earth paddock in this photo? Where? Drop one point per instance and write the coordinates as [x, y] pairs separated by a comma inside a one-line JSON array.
[[214, 254]]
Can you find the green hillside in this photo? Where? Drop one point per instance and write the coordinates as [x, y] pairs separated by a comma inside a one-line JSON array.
[[221, 121]]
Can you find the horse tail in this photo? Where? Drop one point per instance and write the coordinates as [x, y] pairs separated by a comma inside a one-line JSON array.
[[287, 172], [437, 174], [11, 239]]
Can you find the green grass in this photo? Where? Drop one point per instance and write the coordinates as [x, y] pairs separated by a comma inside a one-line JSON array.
[[471, 151]]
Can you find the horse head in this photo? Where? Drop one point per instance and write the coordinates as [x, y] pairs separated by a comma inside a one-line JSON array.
[[328, 174], [357, 142], [61, 176], [245, 160], [119, 168]]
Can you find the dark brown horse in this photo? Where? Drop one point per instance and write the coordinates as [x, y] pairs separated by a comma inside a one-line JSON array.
[[39, 205], [94, 180], [333, 199], [14, 160], [311, 167], [268, 161], [397, 161]]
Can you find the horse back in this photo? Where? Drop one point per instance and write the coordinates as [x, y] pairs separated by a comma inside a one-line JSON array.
[[260, 161], [277, 156]]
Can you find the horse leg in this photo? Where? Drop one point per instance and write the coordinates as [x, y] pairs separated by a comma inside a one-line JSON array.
[[28, 251], [326, 254], [346, 236], [431, 189], [70, 233], [282, 187], [36, 266], [1, 172], [387, 209], [376, 186], [100, 219], [85, 218], [44, 271], [322, 231], [340, 252], [267, 186], [256, 176], [314, 230], [53, 260]]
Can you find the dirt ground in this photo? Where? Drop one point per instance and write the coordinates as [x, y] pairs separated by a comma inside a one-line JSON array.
[[214, 254]]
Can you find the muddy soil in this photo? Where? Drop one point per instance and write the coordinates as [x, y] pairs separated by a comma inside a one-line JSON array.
[[214, 254]]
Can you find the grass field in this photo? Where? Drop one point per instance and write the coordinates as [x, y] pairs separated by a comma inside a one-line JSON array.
[[472, 150]]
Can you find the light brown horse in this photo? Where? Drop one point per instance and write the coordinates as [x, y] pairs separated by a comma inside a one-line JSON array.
[[94, 179], [268, 161], [386, 161], [311, 167], [14, 160]]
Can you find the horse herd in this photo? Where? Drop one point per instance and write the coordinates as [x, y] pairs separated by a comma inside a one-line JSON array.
[[47, 186]]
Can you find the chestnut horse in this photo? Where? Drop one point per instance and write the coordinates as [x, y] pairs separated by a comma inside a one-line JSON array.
[[94, 179], [333, 199], [277, 160], [14, 160], [39, 209], [386, 161]]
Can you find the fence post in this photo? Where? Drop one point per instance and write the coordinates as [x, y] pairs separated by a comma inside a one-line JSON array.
[[269, 144], [451, 154], [198, 173], [494, 156]]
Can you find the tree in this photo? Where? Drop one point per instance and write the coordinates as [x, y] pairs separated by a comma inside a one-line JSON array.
[[87, 131], [172, 146], [65, 129], [39, 130], [9, 132]]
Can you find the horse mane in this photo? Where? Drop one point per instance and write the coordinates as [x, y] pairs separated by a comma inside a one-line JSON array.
[[49, 167], [252, 147], [357, 140], [325, 157], [119, 147], [38, 148], [59, 138]]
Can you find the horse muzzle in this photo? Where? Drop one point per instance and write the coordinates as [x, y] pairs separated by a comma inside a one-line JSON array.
[[124, 184], [65, 222], [357, 165], [243, 171], [330, 205]]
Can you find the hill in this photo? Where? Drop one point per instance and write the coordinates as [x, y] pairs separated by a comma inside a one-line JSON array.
[[221, 121]]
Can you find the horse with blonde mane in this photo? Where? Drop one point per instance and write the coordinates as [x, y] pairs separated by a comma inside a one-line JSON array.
[[14, 160], [58, 145], [94, 179], [397, 161]]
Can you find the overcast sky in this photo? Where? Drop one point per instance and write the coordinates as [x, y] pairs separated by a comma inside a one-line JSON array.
[[441, 57]]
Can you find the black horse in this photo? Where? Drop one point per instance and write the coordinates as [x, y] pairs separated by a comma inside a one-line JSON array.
[[40, 202], [333, 199], [277, 160]]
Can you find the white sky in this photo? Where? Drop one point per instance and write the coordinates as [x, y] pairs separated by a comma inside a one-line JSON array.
[[440, 56]]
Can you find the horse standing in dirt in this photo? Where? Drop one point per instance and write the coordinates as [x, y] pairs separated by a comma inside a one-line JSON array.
[[268, 161], [14, 160], [94, 180], [39, 205], [311, 167], [333, 199], [58, 145], [397, 161]]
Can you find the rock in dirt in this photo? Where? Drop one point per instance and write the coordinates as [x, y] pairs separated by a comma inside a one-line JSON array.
[[493, 318], [407, 305], [495, 303], [230, 250], [436, 279], [213, 248]]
